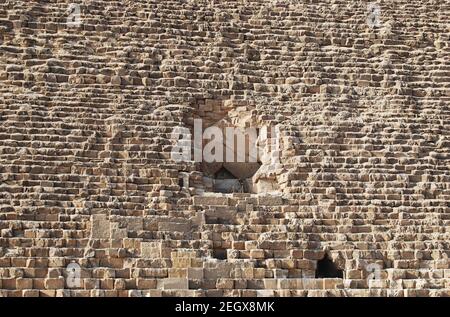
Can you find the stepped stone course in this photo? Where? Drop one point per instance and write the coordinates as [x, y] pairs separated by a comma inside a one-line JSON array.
[[88, 104]]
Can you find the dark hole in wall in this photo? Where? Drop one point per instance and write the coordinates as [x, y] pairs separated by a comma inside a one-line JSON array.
[[220, 254], [328, 269]]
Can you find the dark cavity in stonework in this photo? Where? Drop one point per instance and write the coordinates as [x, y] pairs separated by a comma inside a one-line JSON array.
[[326, 268]]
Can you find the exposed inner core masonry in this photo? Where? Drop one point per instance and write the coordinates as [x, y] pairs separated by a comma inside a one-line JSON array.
[[231, 149]]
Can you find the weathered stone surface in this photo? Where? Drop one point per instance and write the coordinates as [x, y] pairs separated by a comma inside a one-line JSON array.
[[100, 227], [173, 284], [357, 203], [151, 250]]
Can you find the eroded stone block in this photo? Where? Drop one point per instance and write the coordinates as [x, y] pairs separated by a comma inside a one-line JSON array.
[[151, 250], [100, 227]]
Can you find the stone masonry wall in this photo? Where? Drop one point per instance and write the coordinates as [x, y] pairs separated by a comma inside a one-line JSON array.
[[90, 199]]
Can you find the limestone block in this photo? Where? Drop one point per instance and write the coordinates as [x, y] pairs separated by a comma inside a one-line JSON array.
[[177, 272], [223, 283], [86, 138], [395, 293], [171, 226], [288, 264], [378, 283], [305, 264], [265, 293], [118, 233], [195, 273], [310, 283], [146, 283], [54, 283], [134, 223], [30, 293], [54, 273], [447, 273], [107, 283], [270, 200], [183, 253], [257, 254], [135, 293], [279, 273], [313, 254], [100, 227], [181, 262], [332, 283], [259, 273], [116, 80], [270, 283], [151, 250], [232, 254], [119, 284], [286, 283], [354, 274], [210, 201], [249, 245], [396, 274], [296, 254], [240, 283], [24, 283], [173, 283], [90, 283]]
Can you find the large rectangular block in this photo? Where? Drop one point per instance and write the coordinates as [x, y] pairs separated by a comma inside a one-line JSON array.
[[270, 200], [117, 233], [270, 283], [100, 227], [396, 274], [195, 273], [54, 283], [305, 264], [332, 283], [380, 283], [279, 273], [134, 223], [171, 226], [24, 283], [310, 283], [257, 254], [181, 262], [224, 283], [151, 250], [214, 270], [265, 293], [211, 201], [146, 283], [177, 273], [240, 283], [173, 283], [182, 253], [31, 293]]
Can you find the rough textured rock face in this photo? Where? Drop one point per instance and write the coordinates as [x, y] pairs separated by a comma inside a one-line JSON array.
[[92, 204]]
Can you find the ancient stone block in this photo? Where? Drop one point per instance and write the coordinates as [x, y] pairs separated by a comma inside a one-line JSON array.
[[224, 283], [54, 283], [195, 273], [24, 283], [100, 227], [134, 224], [173, 283], [151, 250], [170, 226], [210, 200], [146, 283], [345, 195]]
